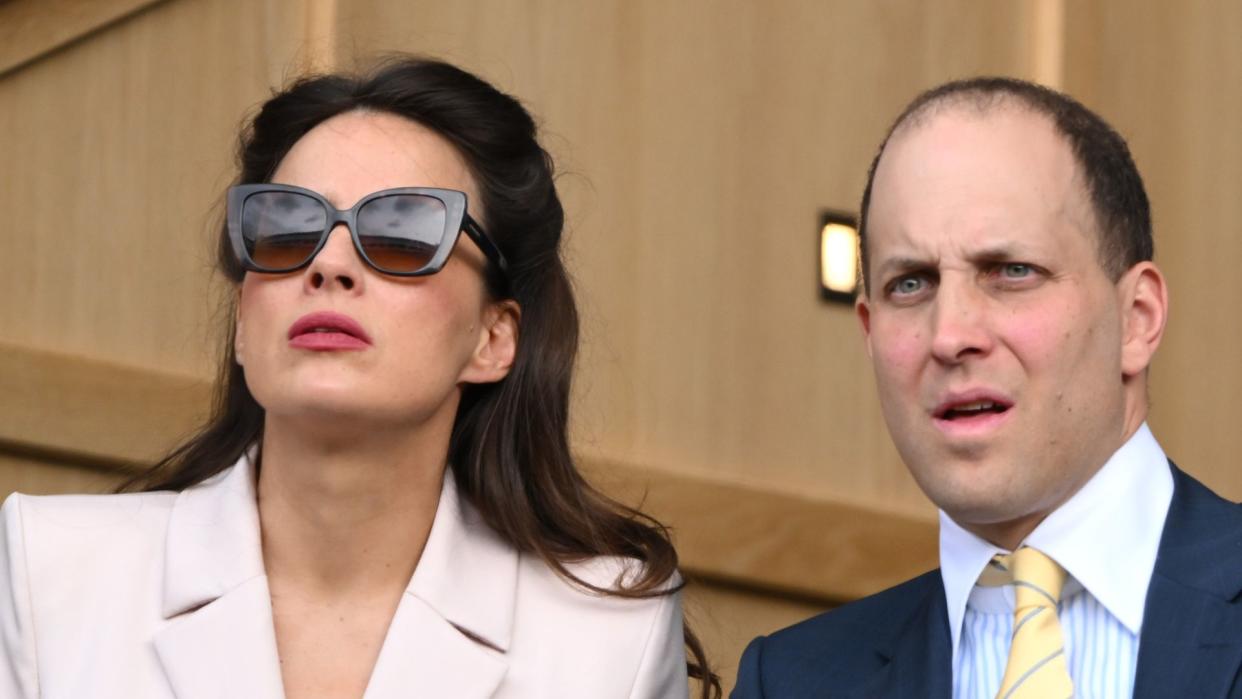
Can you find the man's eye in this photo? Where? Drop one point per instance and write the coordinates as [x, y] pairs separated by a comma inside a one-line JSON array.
[[1016, 270], [908, 285]]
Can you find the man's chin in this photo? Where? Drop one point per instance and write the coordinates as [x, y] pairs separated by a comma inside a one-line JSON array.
[[984, 496]]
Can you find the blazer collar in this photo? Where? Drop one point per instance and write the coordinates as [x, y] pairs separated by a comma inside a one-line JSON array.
[[467, 574], [1190, 645], [916, 659], [213, 543], [449, 633], [220, 640]]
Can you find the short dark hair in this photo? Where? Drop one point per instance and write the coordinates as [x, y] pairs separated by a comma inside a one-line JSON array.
[[1118, 199]]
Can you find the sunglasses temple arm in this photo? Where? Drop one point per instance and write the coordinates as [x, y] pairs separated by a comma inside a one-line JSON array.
[[486, 245]]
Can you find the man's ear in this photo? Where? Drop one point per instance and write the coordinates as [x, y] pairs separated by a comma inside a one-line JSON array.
[[497, 344], [1144, 302], [863, 308]]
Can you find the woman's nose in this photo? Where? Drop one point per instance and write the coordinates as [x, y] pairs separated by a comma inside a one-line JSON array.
[[336, 265]]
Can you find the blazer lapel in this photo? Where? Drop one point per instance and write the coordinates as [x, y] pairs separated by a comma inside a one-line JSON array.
[[225, 649], [919, 663], [455, 622], [447, 638], [425, 655], [1191, 640], [219, 641]]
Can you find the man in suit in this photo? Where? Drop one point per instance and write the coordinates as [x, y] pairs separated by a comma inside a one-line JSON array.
[[1011, 309]]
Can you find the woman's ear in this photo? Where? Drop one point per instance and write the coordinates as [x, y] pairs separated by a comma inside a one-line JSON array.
[[1144, 309], [497, 346]]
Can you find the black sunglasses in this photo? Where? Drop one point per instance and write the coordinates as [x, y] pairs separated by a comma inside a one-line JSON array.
[[407, 231]]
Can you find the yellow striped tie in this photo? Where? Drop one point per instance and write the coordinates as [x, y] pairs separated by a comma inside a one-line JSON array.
[[1036, 666]]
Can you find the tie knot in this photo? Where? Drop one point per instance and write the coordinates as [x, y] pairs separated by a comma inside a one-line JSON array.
[[1037, 579]]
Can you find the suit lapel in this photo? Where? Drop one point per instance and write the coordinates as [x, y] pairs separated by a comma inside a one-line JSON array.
[[225, 649], [220, 641], [1191, 640], [424, 654], [455, 622], [447, 638], [918, 658]]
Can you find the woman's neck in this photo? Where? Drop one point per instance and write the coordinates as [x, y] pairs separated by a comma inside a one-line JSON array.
[[346, 517]]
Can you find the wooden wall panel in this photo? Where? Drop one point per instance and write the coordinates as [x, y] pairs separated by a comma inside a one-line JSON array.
[[1169, 77], [701, 140], [114, 152], [32, 28], [33, 475], [92, 412]]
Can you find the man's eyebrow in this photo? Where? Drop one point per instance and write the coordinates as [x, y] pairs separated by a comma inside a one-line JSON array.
[[902, 264], [999, 253]]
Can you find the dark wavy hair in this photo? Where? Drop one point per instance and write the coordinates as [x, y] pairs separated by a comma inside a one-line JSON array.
[[1114, 186], [509, 448]]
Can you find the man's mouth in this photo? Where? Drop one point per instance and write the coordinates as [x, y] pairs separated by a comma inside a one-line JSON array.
[[958, 411]]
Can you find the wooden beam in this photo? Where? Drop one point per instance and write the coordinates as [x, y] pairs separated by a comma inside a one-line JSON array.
[[89, 412], [807, 548], [96, 414], [32, 28]]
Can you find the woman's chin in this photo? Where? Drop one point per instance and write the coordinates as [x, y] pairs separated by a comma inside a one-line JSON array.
[[333, 413]]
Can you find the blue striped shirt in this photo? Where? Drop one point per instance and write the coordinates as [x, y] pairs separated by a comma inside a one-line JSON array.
[[1102, 652], [1106, 537]]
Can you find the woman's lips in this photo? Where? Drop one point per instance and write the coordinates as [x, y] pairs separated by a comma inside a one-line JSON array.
[[327, 331]]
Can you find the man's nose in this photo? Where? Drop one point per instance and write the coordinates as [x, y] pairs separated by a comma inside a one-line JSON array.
[[337, 265], [960, 322]]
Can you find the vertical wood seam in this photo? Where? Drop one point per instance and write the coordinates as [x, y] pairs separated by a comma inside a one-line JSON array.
[[1047, 18], [321, 34]]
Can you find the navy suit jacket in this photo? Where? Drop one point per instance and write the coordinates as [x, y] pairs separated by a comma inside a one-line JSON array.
[[896, 643]]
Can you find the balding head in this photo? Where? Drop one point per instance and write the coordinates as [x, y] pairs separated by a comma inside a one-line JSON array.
[[1122, 215]]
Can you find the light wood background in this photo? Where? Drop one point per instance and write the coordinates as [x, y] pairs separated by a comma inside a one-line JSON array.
[[697, 140]]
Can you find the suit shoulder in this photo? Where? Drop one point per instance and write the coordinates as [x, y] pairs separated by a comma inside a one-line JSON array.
[[66, 526], [546, 598], [857, 627], [87, 510], [603, 572], [633, 642]]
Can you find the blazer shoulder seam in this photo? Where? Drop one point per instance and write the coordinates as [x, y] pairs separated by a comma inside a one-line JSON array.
[[653, 628]]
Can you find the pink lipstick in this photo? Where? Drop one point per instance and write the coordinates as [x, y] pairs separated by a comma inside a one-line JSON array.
[[325, 331]]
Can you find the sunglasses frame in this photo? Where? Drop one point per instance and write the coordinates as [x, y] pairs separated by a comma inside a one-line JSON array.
[[456, 220]]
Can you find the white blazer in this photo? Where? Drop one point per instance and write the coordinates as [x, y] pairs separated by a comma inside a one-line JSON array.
[[163, 594]]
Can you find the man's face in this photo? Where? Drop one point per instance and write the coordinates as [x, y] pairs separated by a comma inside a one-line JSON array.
[[994, 332]]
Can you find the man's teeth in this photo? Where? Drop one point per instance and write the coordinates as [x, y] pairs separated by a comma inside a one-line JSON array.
[[967, 409]]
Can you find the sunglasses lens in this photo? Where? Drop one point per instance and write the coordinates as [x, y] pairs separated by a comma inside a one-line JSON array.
[[402, 232], [281, 229]]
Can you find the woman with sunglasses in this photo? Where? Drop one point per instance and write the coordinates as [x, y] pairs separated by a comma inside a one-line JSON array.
[[384, 501]]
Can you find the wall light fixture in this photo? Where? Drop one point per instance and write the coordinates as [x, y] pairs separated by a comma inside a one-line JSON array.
[[838, 257]]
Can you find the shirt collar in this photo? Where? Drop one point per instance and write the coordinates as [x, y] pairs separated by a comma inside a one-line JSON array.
[[1105, 536]]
